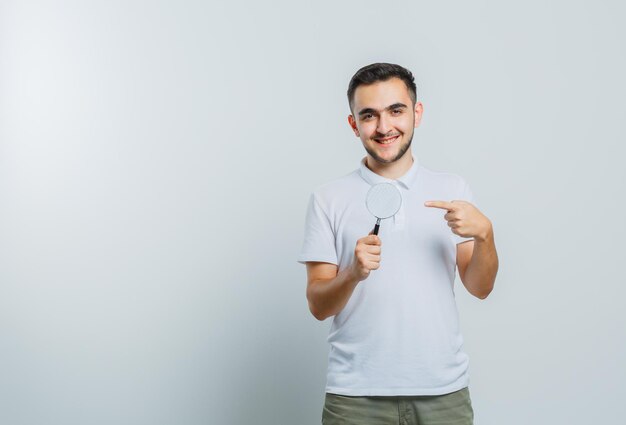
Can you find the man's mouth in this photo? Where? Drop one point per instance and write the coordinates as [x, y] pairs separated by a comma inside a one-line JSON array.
[[387, 140]]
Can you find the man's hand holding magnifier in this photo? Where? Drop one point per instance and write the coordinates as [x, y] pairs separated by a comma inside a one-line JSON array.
[[383, 201], [366, 256]]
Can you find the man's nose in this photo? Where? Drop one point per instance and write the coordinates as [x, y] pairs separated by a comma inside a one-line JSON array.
[[383, 124]]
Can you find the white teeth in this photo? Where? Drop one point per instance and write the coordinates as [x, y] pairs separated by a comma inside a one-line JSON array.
[[386, 142]]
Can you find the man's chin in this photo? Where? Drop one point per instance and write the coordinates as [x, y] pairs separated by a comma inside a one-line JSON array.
[[387, 160], [384, 160]]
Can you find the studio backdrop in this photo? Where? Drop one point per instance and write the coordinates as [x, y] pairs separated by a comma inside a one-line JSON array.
[[156, 159]]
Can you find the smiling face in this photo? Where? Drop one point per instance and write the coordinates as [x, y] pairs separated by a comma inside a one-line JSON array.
[[384, 118]]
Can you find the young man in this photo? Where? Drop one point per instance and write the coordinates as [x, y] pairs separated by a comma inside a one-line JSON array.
[[395, 347]]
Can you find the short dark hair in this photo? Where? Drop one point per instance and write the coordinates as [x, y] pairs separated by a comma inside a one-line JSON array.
[[375, 72]]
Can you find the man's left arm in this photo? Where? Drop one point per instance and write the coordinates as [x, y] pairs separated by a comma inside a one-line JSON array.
[[477, 260]]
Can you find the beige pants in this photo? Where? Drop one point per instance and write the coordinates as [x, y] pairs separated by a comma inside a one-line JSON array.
[[447, 409]]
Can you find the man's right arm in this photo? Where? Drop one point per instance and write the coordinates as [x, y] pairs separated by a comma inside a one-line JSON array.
[[327, 291]]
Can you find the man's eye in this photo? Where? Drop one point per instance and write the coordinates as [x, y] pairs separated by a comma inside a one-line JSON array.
[[397, 111], [366, 116]]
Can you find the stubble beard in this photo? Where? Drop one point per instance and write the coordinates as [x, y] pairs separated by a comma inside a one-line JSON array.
[[400, 154]]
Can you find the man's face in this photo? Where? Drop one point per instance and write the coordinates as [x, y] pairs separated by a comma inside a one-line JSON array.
[[384, 119]]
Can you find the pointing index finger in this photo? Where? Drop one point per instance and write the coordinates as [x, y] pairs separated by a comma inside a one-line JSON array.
[[440, 204]]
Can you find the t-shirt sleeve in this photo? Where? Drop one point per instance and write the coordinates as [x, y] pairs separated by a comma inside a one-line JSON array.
[[319, 238], [466, 194]]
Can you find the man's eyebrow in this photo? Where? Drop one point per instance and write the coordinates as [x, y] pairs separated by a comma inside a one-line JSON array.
[[396, 105]]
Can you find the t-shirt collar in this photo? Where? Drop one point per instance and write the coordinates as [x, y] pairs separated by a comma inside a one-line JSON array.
[[407, 180]]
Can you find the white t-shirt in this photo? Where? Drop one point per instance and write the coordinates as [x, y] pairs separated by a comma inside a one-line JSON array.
[[399, 332]]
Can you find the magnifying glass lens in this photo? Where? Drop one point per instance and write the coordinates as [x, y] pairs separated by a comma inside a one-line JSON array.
[[383, 201]]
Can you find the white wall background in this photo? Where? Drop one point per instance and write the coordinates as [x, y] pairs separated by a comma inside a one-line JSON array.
[[155, 163]]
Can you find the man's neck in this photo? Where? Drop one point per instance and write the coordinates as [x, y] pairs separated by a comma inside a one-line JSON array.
[[393, 170]]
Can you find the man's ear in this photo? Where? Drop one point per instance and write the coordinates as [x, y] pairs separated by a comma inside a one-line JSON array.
[[419, 110], [352, 123]]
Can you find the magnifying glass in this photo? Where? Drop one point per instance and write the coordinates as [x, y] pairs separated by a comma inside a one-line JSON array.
[[383, 201]]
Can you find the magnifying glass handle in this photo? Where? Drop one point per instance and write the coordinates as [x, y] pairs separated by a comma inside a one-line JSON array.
[[377, 226]]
